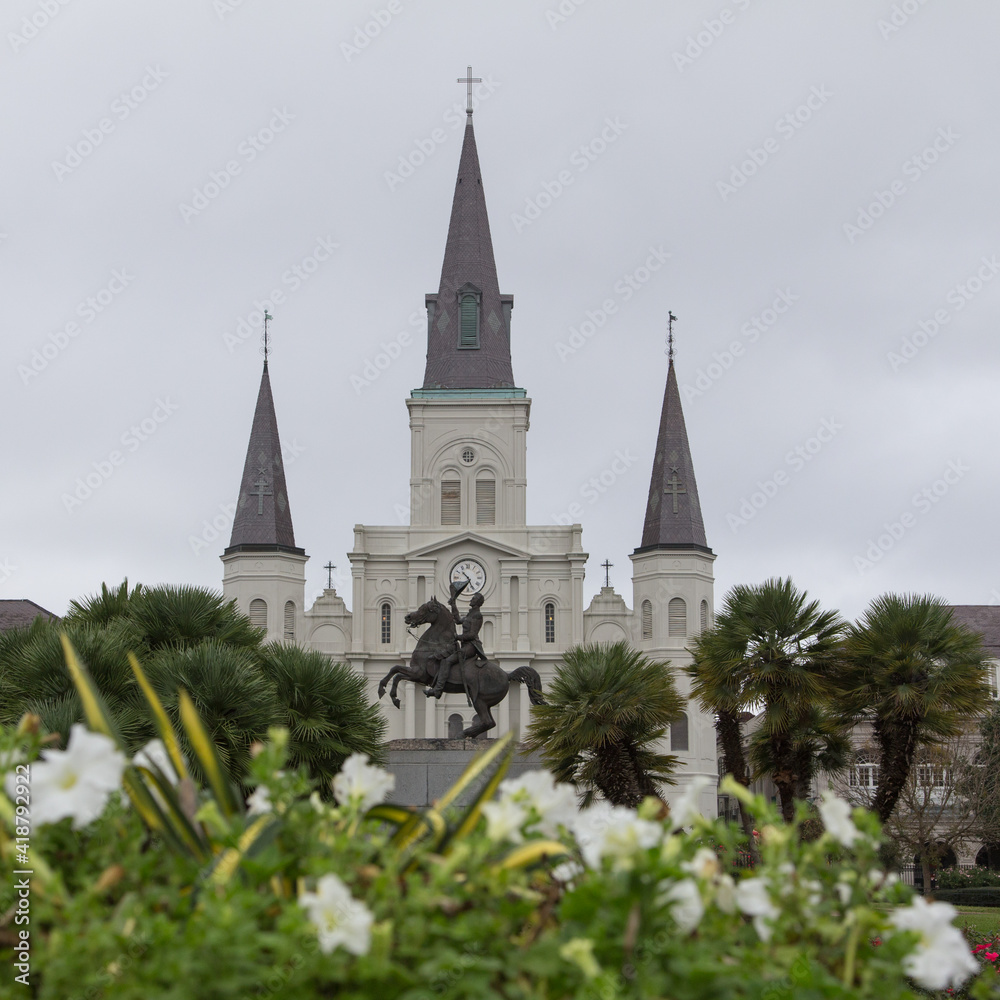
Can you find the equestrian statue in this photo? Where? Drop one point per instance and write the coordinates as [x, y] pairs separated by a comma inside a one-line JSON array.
[[444, 661]]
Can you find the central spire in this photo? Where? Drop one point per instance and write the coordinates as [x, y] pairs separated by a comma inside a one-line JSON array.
[[468, 321]]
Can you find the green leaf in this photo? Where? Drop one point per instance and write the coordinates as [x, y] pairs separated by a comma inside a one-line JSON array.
[[163, 726], [537, 850], [204, 750], [227, 862]]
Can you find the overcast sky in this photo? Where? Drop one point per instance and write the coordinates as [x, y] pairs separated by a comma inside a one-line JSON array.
[[828, 171]]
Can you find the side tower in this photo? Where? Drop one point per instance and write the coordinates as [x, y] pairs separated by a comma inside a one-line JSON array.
[[672, 582], [264, 571]]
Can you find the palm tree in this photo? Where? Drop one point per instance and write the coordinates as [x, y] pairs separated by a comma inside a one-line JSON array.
[[770, 648], [326, 709], [607, 707], [918, 675]]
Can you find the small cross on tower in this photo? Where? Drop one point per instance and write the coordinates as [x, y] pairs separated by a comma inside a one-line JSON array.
[[470, 80], [329, 567], [674, 487], [262, 492], [671, 319], [607, 572]]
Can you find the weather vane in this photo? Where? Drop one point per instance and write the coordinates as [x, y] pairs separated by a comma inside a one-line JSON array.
[[470, 80], [266, 348], [670, 336]]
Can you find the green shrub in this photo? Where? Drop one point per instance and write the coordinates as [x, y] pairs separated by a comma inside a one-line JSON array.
[[984, 896]]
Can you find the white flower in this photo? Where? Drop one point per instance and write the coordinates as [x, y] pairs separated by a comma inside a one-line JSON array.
[[836, 816], [685, 904], [554, 802], [687, 808], [754, 900], [504, 820], [260, 802], [606, 831], [361, 784], [567, 871], [76, 781], [704, 864], [942, 958], [725, 893], [155, 753], [339, 918]]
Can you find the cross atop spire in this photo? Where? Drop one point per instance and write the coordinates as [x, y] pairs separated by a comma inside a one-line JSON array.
[[671, 319], [470, 80], [267, 318]]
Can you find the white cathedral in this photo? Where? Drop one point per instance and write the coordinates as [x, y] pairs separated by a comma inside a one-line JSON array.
[[468, 478]]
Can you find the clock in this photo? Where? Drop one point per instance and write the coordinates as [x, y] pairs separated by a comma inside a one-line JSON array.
[[471, 570]]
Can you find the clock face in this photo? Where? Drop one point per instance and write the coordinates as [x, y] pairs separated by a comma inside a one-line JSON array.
[[471, 570]]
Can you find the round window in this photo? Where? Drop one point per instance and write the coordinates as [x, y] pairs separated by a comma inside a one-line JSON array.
[[468, 456]]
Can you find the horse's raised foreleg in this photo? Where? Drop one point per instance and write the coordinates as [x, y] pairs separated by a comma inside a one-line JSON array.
[[388, 677], [404, 674]]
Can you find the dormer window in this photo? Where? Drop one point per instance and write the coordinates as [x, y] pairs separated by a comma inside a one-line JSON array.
[[468, 317]]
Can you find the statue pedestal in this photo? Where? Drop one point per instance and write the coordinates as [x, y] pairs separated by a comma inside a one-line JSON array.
[[425, 769]]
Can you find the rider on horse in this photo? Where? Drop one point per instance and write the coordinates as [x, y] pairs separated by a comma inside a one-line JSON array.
[[470, 648]]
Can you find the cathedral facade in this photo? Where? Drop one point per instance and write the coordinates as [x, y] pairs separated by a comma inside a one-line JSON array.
[[469, 423]]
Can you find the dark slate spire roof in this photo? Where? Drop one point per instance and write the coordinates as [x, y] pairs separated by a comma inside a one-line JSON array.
[[468, 261], [263, 520], [673, 513]]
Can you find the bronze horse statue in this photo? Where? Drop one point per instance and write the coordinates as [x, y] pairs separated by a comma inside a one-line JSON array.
[[484, 686]]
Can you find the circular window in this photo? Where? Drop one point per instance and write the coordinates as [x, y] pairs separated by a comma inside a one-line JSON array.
[[468, 456]]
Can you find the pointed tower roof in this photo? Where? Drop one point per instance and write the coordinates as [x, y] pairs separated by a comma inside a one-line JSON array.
[[453, 360], [263, 520], [673, 513]]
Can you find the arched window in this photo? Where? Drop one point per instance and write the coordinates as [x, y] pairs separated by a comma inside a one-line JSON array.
[[647, 620], [486, 501], [550, 622], [289, 621], [468, 321], [455, 726], [864, 773], [387, 622], [704, 616], [676, 617], [451, 501], [258, 613], [679, 734]]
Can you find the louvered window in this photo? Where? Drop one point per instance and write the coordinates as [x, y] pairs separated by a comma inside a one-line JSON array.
[[469, 322], [550, 623], [679, 734], [258, 613], [290, 621], [387, 622], [451, 501], [647, 620], [676, 617], [486, 501], [704, 616]]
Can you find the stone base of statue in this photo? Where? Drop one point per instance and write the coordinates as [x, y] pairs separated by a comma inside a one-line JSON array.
[[426, 768]]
